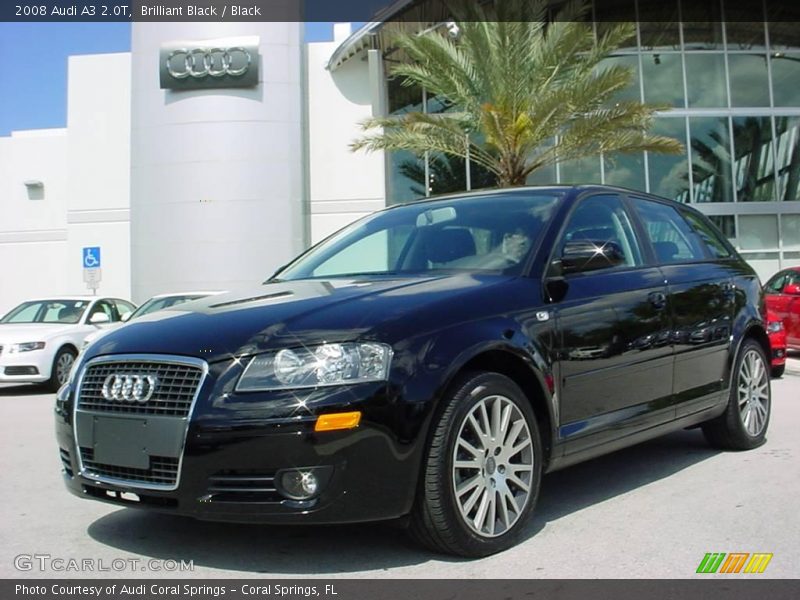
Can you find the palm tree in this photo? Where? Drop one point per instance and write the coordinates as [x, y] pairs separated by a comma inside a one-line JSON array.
[[514, 81]]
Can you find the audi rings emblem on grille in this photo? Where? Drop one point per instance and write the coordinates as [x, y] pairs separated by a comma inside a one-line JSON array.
[[129, 388], [199, 62]]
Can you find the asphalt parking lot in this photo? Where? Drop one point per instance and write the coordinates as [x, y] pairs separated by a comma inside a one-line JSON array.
[[651, 511]]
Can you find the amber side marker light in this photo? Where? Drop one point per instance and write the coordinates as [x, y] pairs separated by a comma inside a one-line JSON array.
[[335, 421]]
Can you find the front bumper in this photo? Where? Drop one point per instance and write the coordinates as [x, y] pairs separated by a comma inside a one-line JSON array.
[[235, 448]]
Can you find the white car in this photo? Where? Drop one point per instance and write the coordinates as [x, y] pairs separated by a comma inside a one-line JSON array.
[[39, 339], [158, 302]]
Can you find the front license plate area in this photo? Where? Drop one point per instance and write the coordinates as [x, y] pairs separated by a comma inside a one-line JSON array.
[[130, 442], [121, 442]]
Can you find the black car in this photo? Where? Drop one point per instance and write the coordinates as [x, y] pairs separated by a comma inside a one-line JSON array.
[[428, 364]]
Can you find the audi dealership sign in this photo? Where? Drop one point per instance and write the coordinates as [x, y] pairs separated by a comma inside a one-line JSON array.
[[209, 64]]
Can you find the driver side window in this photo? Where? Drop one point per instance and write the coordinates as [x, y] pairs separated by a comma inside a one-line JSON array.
[[603, 222]]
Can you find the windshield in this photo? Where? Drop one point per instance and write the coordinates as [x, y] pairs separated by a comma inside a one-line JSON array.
[[47, 311], [155, 304], [495, 232]]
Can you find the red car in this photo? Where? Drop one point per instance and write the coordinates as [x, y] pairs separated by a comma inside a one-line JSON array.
[[777, 341], [783, 300]]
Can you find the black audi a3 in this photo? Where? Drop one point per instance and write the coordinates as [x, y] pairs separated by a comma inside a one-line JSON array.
[[428, 364]]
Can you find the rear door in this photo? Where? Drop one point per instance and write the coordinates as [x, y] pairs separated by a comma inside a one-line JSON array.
[[615, 362], [701, 302]]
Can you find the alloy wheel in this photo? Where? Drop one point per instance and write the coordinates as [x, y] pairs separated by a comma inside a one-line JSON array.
[[493, 461], [753, 392], [64, 366]]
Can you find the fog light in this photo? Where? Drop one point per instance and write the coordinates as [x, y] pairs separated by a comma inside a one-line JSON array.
[[299, 485]]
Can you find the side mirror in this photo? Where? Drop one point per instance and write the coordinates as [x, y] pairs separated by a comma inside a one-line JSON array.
[[99, 318], [793, 289], [582, 256]]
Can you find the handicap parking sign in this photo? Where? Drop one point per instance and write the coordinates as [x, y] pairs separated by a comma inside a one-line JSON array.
[[91, 257]]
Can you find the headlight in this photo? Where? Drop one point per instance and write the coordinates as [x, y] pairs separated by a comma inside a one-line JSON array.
[[328, 364], [774, 326], [26, 346]]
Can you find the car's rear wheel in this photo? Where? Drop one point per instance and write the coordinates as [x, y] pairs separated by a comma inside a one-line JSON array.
[[744, 423], [482, 471], [62, 365]]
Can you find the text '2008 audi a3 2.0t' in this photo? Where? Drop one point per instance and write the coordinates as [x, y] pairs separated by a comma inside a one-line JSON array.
[[429, 362]]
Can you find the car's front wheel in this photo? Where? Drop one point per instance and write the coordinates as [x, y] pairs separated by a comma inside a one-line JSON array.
[[744, 423], [62, 365], [482, 471]]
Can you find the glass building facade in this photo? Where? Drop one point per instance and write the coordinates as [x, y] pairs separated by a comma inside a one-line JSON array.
[[731, 73]]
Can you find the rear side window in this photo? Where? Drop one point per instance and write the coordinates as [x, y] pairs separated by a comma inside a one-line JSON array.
[[672, 238], [710, 236]]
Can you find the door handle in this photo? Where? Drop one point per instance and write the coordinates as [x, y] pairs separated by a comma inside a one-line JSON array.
[[657, 299]]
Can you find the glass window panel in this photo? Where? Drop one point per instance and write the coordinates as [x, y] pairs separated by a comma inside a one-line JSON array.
[[705, 80], [753, 159], [783, 30], [663, 79], [669, 174], [631, 61], [406, 177], [659, 25], [749, 81], [786, 78], [790, 231], [758, 232], [788, 151], [543, 176], [711, 159], [447, 174], [625, 170], [582, 170], [742, 34], [702, 25]]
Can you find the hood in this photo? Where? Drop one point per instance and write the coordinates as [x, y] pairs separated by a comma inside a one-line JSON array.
[[14, 333], [286, 314]]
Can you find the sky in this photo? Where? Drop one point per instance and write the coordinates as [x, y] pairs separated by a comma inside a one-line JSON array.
[[33, 86]]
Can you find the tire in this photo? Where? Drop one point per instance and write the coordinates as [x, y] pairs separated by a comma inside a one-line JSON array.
[[744, 423], [62, 364], [504, 466], [778, 371]]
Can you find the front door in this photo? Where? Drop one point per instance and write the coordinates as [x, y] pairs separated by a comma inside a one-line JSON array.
[[615, 362]]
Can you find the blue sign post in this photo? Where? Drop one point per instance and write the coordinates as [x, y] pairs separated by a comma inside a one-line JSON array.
[[91, 257], [91, 268]]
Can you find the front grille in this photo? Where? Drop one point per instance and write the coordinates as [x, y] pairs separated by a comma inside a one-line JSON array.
[[65, 462], [163, 470], [173, 395], [233, 486]]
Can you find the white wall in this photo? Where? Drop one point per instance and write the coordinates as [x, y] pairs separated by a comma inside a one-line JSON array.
[[344, 185], [33, 232], [98, 159]]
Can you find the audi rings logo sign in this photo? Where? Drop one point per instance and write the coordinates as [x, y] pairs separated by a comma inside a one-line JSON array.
[[129, 387], [218, 63]]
